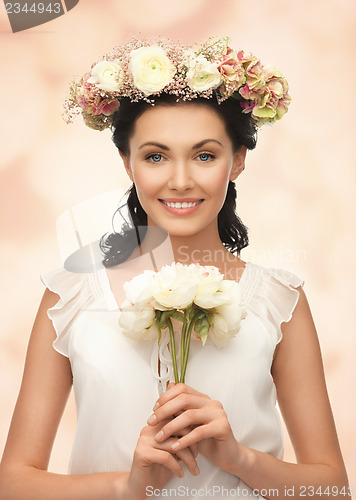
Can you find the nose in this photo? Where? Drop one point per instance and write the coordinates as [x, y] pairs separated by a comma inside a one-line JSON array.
[[180, 176]]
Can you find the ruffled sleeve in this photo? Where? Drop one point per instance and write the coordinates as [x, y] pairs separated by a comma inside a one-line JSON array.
[[275, 298], [75, 294]]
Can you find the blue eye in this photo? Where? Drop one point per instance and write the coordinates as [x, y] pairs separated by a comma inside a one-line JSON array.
[[205, 156], [156, 157]]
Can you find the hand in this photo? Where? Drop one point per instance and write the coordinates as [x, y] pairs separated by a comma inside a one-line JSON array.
[[154, 464], [206, 417], [183, 432]]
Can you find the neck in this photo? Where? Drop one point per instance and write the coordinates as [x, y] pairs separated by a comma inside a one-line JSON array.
[[204, 248], [199, 248]]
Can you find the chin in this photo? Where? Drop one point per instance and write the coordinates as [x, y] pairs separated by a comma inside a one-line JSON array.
[[183, 232], [178, 227], [178, 231]]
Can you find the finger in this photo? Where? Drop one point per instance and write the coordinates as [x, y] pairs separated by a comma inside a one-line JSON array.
[[184, 386], [156, 456], [176, 406], [198, 434], [176, 425], [194, 447], [185, 454], [181, 387], [189, 459], [174, 389]]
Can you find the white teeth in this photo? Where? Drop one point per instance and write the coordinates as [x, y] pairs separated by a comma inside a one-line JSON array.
[[181, 205]]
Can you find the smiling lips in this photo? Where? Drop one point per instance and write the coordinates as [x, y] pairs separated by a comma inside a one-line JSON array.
[[187, 206], [182, 203]]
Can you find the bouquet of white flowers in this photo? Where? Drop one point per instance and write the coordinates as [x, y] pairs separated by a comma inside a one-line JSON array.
[[195, 295]]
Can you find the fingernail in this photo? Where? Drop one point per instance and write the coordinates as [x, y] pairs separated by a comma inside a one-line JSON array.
[[196, 469], [159, 435], [156, 406], [175, 445], [152, 419]]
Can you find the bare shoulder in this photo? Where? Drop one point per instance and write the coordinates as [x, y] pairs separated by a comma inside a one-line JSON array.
[[44, 391], [299, 377]]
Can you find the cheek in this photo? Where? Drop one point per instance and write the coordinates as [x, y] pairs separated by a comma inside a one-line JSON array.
[[147, 182], [217, 181]]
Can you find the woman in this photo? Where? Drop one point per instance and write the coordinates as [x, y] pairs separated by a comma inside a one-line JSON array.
[[224, 416]]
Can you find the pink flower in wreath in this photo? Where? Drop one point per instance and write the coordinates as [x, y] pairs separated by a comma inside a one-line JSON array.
[[91, 100], [273, 101], [231, 68], [255, 79]]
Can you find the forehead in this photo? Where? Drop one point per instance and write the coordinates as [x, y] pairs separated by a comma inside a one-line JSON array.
[[174, 122]]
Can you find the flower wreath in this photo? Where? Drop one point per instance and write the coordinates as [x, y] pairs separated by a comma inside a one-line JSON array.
[[147, 67]]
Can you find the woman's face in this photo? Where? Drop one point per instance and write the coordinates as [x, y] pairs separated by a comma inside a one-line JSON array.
[[182, 153]]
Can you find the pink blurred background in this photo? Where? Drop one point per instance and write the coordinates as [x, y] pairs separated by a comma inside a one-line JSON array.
[[296, 195]]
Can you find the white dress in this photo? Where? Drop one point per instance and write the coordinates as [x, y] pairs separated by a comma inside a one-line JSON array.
[[116, 381]]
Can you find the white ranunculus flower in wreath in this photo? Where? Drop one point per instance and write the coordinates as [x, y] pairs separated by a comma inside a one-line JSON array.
[[151, 69], [107, 75], [203, 75]]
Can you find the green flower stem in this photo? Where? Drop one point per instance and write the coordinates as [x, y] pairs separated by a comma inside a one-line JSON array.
[[173, 347], [182, 340], [198, 315], [159, 333]]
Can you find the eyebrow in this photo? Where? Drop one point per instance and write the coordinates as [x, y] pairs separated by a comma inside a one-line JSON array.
[[166, 148]]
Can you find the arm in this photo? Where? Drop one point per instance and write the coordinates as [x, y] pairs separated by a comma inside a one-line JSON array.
[[45, 388], [302, 396]]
